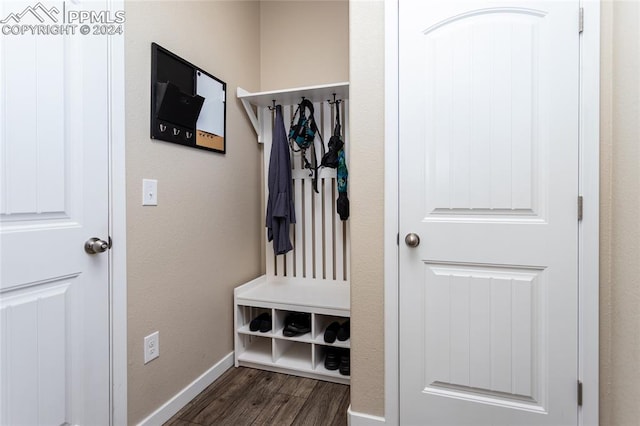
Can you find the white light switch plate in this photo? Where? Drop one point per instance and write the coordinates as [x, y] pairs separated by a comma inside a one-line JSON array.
[[149, 192]]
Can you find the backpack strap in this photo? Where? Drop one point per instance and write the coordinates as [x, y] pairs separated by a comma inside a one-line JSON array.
[[338, 128], [303, 138]]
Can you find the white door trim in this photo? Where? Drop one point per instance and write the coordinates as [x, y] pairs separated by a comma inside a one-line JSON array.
[[117, 228], [391, 221], [588, 230]]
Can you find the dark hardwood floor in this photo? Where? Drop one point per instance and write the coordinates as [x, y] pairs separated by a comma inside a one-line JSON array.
[[245, 396]]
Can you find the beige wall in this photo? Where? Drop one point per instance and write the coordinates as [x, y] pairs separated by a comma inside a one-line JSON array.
[[186, 255], [620, 208], [619, 225], [303, 43], [366, 180]]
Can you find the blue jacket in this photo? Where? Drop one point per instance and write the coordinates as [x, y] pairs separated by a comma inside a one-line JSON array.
[[280, 208]]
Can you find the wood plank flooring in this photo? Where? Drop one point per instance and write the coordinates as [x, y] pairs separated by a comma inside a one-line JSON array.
[[245, 396]]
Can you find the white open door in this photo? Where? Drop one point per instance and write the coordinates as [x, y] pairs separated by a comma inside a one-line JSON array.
[[54, 162], [488, 139]]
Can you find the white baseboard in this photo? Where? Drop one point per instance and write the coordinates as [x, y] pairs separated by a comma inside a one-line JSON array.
[[182, 398], [361, 419]]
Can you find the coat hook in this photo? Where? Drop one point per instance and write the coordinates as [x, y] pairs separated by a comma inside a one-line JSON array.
[[334, 100], [273, 102]]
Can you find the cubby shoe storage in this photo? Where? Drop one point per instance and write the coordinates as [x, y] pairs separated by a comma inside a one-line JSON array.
[[302, 354]]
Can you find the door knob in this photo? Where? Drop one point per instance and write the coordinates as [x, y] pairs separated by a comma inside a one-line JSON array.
[[412, 240], [96, 245]]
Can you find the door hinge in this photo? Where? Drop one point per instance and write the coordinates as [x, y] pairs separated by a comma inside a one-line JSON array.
[[398, 239], [579, 393], [581, 21], [580, 203]]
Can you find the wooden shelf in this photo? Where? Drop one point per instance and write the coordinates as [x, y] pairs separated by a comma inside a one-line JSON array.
[[293, 96], [337, 344], [304, 338], [318, 93]]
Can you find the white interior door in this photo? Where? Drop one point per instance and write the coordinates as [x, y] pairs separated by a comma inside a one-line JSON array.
[[54, 297], [489, 182]]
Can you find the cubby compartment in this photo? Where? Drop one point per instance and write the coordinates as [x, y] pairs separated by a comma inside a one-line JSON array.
[[321, 323], [254, 349], [293, 355], [319, 356], [281, 317], [244, 316]]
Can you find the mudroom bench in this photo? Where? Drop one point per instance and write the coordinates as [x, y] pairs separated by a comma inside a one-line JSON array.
[[313, 278]]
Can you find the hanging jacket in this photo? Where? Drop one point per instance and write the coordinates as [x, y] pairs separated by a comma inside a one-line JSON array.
[[280, 207]]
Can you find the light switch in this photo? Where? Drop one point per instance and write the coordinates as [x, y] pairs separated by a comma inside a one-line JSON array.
[[149, 192]]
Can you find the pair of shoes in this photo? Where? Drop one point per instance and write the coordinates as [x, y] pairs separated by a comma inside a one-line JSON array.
[[335, 330], [262, 322], [297, 323], [338, 359], [345, 364]]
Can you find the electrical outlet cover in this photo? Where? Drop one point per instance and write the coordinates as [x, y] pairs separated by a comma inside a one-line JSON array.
[[151, 347]]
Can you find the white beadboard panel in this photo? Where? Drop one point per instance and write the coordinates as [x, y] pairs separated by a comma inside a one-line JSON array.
[[21, 375], [459, 345], [483, 139], [299, 230], [50, 104], [485, 333], [34, 136], [437, 299], [35, 356], [523, 327], [524, 109], [480, 186], [266, 121], [307, 202], [479, 333], [20, 136], [501, 333]]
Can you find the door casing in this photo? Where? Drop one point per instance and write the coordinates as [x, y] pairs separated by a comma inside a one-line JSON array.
[[117, 228], [588, 240]]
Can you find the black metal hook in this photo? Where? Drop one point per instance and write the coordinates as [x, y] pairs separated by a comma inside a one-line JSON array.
[[271, 108], [336, 102]]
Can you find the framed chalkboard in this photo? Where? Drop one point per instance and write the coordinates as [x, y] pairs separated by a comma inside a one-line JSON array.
[[188, 105]]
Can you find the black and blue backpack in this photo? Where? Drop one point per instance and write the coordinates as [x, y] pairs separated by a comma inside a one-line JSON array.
[[302, 134]]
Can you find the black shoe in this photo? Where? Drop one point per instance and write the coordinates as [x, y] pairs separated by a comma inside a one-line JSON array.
[[297, 323], [345, 364], [262, 322], [332, 360], [331, 332], [344, 331]]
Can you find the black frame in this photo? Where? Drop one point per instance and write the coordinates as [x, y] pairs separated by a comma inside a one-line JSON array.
[[186, 133]]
